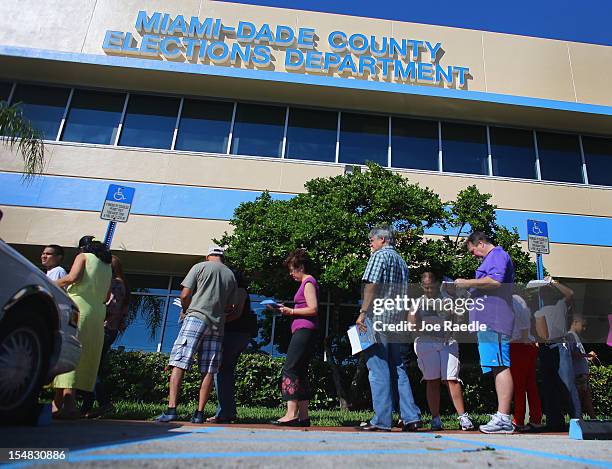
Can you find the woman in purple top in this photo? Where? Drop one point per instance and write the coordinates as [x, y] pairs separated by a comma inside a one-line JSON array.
[[295, 385]]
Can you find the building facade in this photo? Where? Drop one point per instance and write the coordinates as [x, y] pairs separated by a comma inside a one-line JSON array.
[[201, 105]]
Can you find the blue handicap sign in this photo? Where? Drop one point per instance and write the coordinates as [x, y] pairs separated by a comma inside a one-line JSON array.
[[122, 194], [537, 228]]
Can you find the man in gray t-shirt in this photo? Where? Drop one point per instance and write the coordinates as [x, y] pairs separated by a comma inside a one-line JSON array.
[[209, 292]]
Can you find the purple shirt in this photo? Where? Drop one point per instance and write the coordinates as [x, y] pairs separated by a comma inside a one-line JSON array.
[[304, 322], [496, 312]]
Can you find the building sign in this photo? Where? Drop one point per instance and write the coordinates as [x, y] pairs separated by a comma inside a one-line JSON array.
[[205, 40]]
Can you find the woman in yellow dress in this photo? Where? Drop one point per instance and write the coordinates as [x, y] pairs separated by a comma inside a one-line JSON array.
[[88, 285]]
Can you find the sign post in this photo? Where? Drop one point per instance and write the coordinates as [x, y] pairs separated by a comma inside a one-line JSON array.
[[537, 239], [117, 205]]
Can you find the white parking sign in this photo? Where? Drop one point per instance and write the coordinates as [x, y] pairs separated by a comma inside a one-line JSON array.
[[118, 203]]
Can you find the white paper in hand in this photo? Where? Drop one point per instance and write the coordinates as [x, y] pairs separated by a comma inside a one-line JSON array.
[[360, 340]]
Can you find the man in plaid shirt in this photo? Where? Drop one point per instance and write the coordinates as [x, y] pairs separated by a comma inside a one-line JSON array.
[[386, 277]]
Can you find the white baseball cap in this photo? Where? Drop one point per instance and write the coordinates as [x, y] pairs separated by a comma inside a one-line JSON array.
[[214, 250]]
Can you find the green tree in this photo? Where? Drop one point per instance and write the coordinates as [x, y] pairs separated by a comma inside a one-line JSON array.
[[17, 131]]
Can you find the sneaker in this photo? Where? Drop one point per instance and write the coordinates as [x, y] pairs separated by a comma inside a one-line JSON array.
[[465, 422], [436, 424], [198, 417], [412, 426], [498, 424], [167, 417]]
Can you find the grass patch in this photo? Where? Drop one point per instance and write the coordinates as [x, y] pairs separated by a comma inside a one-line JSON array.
[[325, 418]]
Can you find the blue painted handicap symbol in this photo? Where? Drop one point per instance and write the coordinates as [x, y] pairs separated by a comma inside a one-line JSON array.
[[120, 194], [537, 228]]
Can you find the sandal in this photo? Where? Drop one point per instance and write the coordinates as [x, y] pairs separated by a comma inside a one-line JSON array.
[[220, 420]]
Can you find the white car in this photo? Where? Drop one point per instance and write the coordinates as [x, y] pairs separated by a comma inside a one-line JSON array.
[[38, 335]]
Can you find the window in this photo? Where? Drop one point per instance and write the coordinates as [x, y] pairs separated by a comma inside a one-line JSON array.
[[559, 157], [5, 90], [145, 329], [204, 126], [464, 149], [513, 153], [149, 122], [414, 144], [258, 130], [93, 117], [598, 157], [364, 138], [44, 107], [311, 135]]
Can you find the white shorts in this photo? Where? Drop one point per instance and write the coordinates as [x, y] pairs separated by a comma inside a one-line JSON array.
[[437, 358]]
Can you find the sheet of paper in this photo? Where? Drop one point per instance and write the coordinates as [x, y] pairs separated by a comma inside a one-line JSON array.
[[537, 283], [360, 340]]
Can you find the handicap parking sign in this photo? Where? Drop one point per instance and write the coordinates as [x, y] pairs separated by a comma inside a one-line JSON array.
[[537, 236], [118, 203]]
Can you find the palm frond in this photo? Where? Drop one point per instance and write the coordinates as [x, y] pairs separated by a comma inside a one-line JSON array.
[[17, 131]]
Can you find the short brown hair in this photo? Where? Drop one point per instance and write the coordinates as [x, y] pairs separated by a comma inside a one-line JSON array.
[[478, 236], [299, 259]]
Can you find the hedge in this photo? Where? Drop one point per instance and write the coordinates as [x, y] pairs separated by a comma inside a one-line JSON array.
[[144, 377]]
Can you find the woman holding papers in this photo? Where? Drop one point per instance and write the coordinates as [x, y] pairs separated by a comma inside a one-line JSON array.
[[295, 385]]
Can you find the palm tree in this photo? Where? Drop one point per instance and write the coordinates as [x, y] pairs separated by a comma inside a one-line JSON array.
[[16, 130]]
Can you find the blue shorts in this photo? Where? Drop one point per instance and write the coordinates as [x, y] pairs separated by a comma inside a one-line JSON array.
[[494, 350]]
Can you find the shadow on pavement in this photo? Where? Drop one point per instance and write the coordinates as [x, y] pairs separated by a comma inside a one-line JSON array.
[[83, 434]]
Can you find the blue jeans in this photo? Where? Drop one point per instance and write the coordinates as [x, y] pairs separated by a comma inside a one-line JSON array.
[[386, 368], [233, 345], [559, 383]]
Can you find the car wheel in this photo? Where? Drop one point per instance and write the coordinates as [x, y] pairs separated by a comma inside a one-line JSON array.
[[24, 363]]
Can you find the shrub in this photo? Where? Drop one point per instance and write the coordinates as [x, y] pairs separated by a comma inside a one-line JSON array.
[[144, 377]]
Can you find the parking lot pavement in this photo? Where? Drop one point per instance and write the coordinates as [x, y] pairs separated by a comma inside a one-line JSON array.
[[134, 444]]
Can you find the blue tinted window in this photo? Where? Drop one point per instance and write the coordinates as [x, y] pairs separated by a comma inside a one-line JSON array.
[[5, 90], [149, 122], [93, 117], [43, 106], [311, 135], [559, 157], [148, 314], [414, 144], [205, 126], [464, 148], [598, 157], [258, 130], [513, 153], [363, 138]]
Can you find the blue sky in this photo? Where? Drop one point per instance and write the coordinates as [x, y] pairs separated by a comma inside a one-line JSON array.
[[571, 20]]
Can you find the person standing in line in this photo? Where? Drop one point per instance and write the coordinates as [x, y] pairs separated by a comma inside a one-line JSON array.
[[581, 361], [295, 384], [208, 294], [114, 324], [555, 356], [51, 259], [523, 358], [386, 277], [240, 327], [493, 287], [438, 354], [88, 285]]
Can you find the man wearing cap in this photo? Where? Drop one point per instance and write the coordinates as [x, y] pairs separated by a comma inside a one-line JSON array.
[[209, 292]]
